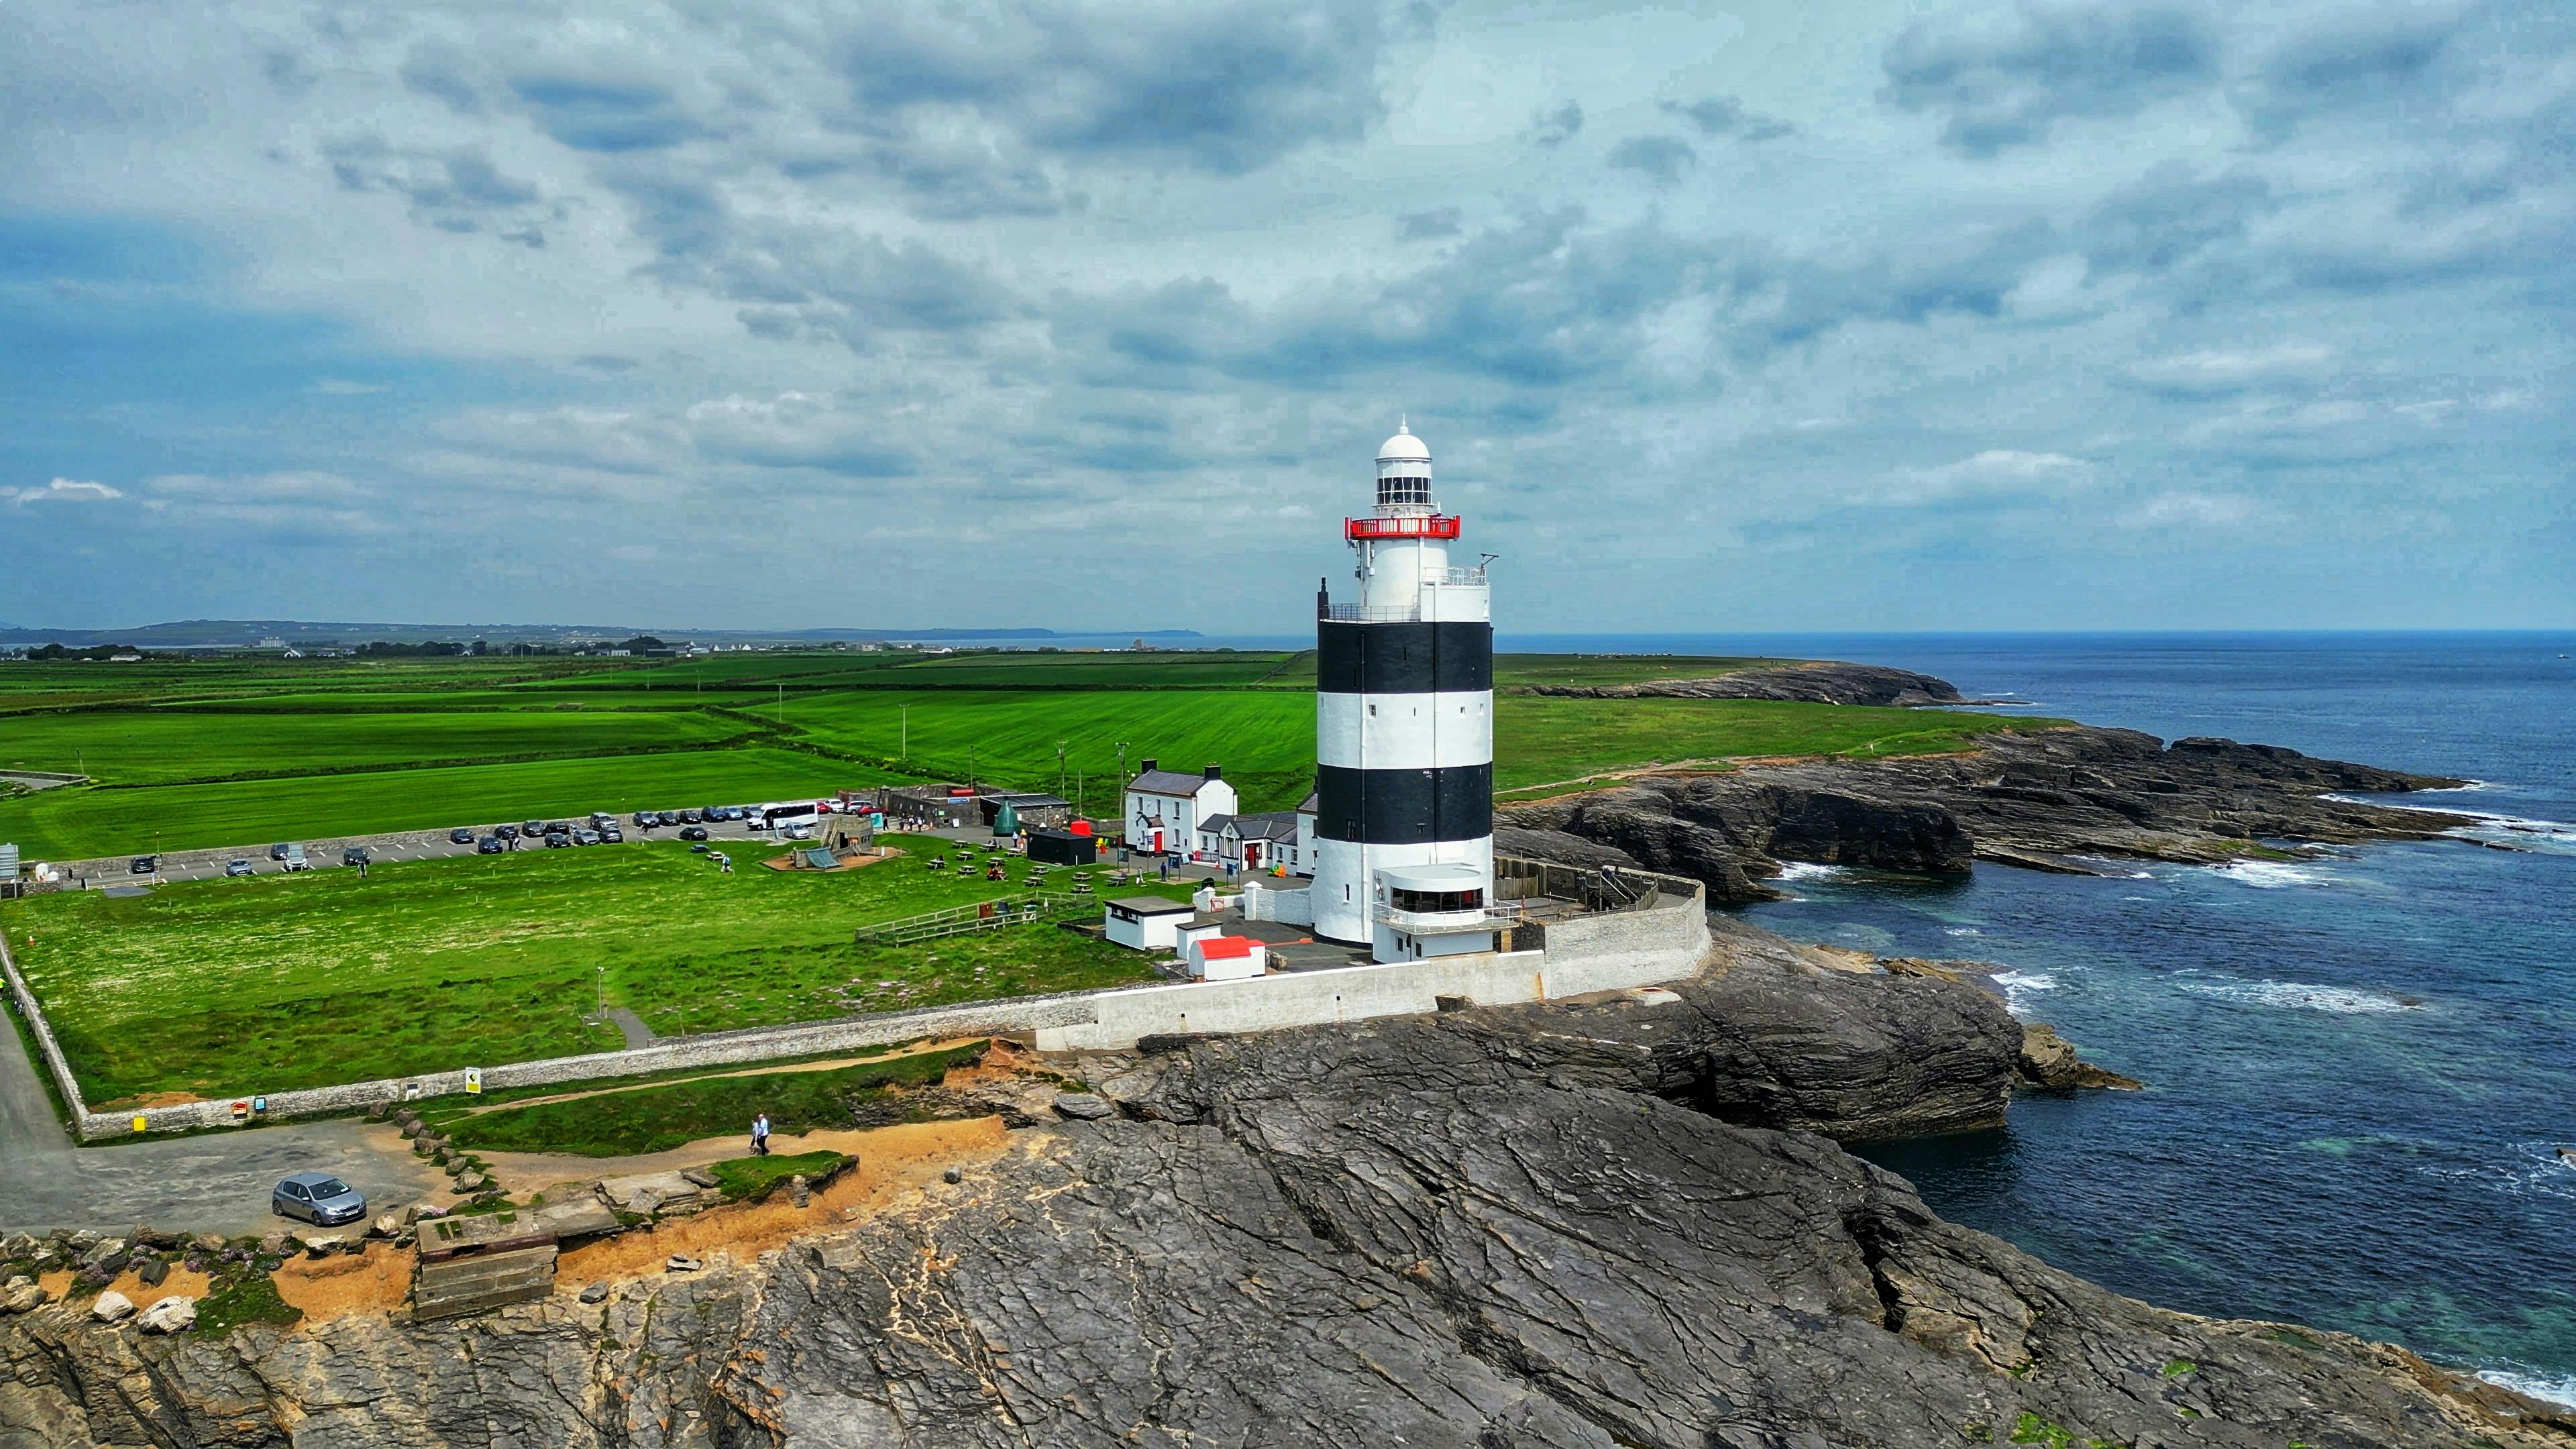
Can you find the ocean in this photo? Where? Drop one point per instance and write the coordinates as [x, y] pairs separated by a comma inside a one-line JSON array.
[[2360, 1068]]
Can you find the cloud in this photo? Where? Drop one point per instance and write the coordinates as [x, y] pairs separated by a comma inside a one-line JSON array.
[[2222, 372], [1726, 116], [2006, 77], [1665, 158], [343, 387], [2188, 510], [1432, 225], [1992, 473], [66, 490], [1555, 125], [457, 190]]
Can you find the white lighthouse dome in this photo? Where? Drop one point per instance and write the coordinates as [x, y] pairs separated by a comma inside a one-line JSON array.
[[1404, 447]]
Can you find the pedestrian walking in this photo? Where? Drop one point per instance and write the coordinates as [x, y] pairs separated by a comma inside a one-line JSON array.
[[760, 1135]]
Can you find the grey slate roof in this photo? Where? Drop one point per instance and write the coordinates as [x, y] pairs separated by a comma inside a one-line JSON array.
[[1267, 825], [1216, 824], [1313, 801], [1167, 782]]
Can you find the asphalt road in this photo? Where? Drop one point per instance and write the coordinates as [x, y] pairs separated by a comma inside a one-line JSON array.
[[216, 1182]]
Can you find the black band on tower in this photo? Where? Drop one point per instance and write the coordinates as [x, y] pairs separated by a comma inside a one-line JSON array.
[[1404, 807], [1403, 658]]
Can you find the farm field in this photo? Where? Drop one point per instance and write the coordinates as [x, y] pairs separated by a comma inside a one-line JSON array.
[[275, 982], [163, 746], [74, 824]]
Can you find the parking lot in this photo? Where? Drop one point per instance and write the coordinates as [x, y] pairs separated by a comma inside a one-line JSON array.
[[324, 855]]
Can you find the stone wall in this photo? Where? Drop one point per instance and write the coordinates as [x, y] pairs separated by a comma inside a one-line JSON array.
[[46, 1046], [1287, 907]]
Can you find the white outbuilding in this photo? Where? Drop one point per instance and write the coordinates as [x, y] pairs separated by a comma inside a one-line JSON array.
[[1147, 923], [1227, 958]]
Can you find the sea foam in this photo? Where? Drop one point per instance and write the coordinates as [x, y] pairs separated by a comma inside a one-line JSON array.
[[1808, 870], [2556, 1388], [2019, 986], [2288, 995], [2272, 875]]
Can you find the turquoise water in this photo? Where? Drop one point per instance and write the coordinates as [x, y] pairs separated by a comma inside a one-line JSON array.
[[2360, 1067]]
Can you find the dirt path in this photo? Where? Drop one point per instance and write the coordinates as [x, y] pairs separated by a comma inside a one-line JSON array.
[[521, 1173], [829, 1064], [894, 1163]]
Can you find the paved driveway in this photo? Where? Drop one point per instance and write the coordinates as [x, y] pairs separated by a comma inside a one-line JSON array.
[[217, 1182]]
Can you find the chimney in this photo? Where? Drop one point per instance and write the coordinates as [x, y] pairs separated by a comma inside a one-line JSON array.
[[1216, 772], [1144, 767]]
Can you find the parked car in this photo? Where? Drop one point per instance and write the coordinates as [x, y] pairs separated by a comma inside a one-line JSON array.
[[612, 834], [797, 832], [533, 827], [145, 864], [558, 827], [688, 817], [490, 845], [461, 835], [558, 842], [355, 855], [318, 1198], [647, 819], [295, 858], [585, 837], [693, 832], [506, 832], [237, 867], [602, 819], [278, 852]]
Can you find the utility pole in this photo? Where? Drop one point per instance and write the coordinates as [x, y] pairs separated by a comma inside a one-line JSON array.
[[1059, 765], [1122, 764]]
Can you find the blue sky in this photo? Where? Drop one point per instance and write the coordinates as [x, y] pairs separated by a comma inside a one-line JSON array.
[[1863, 316]]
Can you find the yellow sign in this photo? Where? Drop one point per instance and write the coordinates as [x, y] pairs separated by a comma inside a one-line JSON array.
[[473, 1079], [142, 1123]]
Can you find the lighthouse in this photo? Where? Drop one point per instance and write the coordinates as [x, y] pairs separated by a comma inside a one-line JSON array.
[[1404, 730]]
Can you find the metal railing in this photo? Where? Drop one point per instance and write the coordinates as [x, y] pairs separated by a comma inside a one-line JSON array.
[[1371, 613], [990, 915], [1459, 578]]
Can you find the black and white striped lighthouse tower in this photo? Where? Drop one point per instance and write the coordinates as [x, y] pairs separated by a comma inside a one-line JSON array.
[[1404, 730]]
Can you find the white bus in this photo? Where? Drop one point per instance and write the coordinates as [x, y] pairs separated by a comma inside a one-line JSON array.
[[792, 813]]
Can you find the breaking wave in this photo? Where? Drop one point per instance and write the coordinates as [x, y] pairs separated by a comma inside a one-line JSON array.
[[1808, 870], [2290, 995], [2272, 875], [2560, 1389], [2019, 986]]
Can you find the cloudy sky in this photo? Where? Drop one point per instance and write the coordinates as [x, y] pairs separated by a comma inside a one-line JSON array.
[[996, 312]]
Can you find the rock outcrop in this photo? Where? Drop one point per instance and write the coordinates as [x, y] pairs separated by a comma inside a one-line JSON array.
[[1527, 1226], [1816, 683], [2040, 799]]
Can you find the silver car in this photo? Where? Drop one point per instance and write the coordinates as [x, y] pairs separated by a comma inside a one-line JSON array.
[[318, 1198]]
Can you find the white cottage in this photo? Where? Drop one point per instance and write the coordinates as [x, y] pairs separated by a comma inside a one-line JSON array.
[[1165, 807]]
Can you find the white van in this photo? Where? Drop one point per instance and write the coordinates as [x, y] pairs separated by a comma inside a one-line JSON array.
[[295, 859]]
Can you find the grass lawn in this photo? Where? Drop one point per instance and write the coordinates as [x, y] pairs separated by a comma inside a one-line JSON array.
[[84, 821], [1541, 740], [1512, 671], [161, 746], [1265, 739], [275, 982], [750, 1177], [656, 1119]]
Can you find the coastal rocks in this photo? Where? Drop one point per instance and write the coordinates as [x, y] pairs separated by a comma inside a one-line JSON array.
[[1819, 683], [1523, 1225], [2049, 1060], [2030, 799], [171, 1315], [24, 1296], [1083, 1106], [112, 1307]]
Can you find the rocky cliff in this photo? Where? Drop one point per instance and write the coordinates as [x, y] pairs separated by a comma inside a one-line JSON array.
[[2039, 799], [1619, 1223]]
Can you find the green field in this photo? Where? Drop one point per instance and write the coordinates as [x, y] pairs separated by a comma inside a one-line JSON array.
[[164, 746], [656, 1119], [273, 982], [77, 823]]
